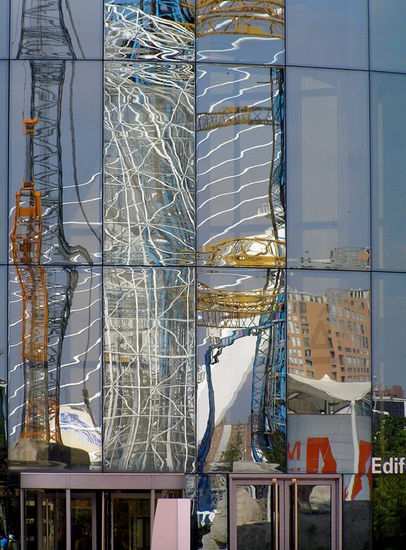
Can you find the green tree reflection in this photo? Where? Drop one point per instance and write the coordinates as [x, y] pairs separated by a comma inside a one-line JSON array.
[[389, 491]]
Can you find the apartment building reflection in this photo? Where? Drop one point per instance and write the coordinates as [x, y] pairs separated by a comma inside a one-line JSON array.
[[329, 335]]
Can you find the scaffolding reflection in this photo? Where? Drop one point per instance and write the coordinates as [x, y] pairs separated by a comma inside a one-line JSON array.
[[149, 365], [148, 164]]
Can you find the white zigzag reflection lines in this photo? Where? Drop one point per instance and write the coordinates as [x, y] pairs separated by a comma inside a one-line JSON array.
[[149, 144], [80, 355], [149, 355], [133, 33], [241, 213]]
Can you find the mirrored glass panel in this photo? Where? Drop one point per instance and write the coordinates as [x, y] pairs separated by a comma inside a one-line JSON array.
[[241, 373], [328, 166], [357, 518], [145, 29], [55, 156], [243, 31], [310, 518], [341, 28], [389, 376], [329, 372], [45, 519], [211, 512], [388, 510], [64, 29], [148, 163], [387, 34], [4, 23], [240, 166], [388, 171], [3, 158], [3, 363], [54, 408], [149, 370]]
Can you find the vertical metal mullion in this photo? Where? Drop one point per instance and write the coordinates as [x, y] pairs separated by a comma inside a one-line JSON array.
[[22, 519], [39, 499], [102, 257], [152, 512], [68, 519], [338, 484], [102, 522]]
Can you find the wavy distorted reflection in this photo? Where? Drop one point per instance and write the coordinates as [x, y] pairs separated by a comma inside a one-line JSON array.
[[54, 383], [149, 143], [241, 176], [242, 371], [149, 365], [245, 31], [158, 30]]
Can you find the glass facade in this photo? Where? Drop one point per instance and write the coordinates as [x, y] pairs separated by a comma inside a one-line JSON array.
[[202, 272]]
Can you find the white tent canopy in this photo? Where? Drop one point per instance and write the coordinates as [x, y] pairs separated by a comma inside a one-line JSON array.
[[307, 395]]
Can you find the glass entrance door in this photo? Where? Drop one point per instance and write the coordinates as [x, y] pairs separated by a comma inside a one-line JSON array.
[[275, 513], [131, 521], [83, 521]]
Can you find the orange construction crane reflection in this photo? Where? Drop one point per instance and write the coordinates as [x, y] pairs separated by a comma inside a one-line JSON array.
[[41, 413]]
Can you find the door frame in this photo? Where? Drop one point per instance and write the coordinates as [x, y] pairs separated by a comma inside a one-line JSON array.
[[92, 496], [93, 481], [116, 495], [284, 481]]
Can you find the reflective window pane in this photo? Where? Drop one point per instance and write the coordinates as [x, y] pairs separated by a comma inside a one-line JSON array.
[[243, 31], [3, 158], [3, 363], [51, 118], [328, 167], [388, 171], [341, 27], [387, 34], [72, 29], [148, 164], [389, 375], [257, 510], [45, 519], [312, 530], [54, 367], [135, 29], [241, 374], [357, 518], [4, 14], [212, 507], [388, 510], [149, 370], [329, 372], [240, 166]]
